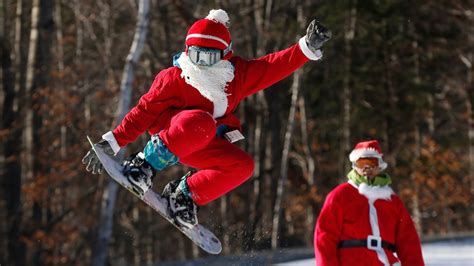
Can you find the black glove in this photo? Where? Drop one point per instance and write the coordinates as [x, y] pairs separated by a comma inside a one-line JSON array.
[[316, 35], [92, 162]]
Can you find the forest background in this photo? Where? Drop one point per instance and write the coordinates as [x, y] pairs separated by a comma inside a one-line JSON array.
[[397, 71]]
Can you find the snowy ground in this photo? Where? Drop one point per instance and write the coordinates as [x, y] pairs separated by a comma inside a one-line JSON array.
[[444, 253], [455, 252]]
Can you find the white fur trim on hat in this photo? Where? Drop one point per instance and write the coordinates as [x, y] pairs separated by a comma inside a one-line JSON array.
[[364, 153], [307, 52], [220, 16], [367, 153]]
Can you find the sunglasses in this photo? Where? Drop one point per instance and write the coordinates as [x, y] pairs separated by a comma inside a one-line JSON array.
[[204, 56], [363, 162]]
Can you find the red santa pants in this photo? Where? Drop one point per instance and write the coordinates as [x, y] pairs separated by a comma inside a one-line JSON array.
[[222, 166]]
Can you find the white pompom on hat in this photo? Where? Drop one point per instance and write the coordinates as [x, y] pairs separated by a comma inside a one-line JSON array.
[[219, 15], [211, 32], [368, 149]]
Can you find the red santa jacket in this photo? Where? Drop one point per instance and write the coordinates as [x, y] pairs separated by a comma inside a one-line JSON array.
[[169, 93], [346, 216]]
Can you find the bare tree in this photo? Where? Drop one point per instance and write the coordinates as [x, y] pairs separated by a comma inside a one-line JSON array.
[[417, 138], [28, 152], [280, 192], [278, 210], [110, 193], [261, 11], [349, 34], [12, 250], [468, 95], [309, 169], [60, 68]]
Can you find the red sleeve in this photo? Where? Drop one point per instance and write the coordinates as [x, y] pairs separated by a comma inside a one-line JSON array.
[[161, 96], [407, 240], [263, 72], [328, 231]]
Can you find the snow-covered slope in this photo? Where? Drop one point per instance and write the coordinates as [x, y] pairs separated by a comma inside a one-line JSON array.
[[459, 251], [443, 253]]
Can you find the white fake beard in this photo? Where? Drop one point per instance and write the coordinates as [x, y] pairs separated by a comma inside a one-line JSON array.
[[210, 81]]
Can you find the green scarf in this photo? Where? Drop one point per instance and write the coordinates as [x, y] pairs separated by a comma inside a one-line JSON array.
[[382, 179]]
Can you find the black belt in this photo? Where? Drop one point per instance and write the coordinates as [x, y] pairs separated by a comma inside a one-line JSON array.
[[364, 243]]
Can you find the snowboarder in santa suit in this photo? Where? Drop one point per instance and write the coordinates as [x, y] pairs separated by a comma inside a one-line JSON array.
[[188, 112], [363, 222]]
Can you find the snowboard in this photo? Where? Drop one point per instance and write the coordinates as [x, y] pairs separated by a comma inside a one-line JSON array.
[[201, 236]]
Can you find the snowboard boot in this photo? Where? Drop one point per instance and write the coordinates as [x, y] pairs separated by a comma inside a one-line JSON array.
[[181, 205], [139, 172]]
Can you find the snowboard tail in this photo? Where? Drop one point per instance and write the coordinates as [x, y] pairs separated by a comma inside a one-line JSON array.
[[200, 235]]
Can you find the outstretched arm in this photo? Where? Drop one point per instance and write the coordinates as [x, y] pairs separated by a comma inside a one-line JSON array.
[[263, 72]]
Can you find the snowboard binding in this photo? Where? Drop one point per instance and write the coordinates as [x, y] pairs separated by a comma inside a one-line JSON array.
[[139, 173], [181, 206]]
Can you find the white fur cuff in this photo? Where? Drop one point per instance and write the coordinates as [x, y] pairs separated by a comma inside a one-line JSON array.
[[307, 52], [110, 138]]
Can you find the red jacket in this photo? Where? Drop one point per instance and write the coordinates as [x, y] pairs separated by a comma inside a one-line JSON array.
[[345, 216], [169, 93]]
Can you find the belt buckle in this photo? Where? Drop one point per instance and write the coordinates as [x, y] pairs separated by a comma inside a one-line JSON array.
[[374, 242]]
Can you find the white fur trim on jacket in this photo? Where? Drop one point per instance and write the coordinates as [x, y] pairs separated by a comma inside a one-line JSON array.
[[307, 52], [110, 138], [375, 192]]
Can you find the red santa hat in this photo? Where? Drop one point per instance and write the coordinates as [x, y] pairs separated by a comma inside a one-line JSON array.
[[211, 32], [368, 149]]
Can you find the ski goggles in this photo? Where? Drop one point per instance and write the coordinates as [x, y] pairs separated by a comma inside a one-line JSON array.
[[204, 56], [364, 162]]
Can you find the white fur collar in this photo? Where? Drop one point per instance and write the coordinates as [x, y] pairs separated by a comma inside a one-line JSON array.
[[374, 192], [211, 81]]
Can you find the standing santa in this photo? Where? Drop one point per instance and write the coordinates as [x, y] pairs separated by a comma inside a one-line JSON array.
[[363, 222], [188, 112]]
